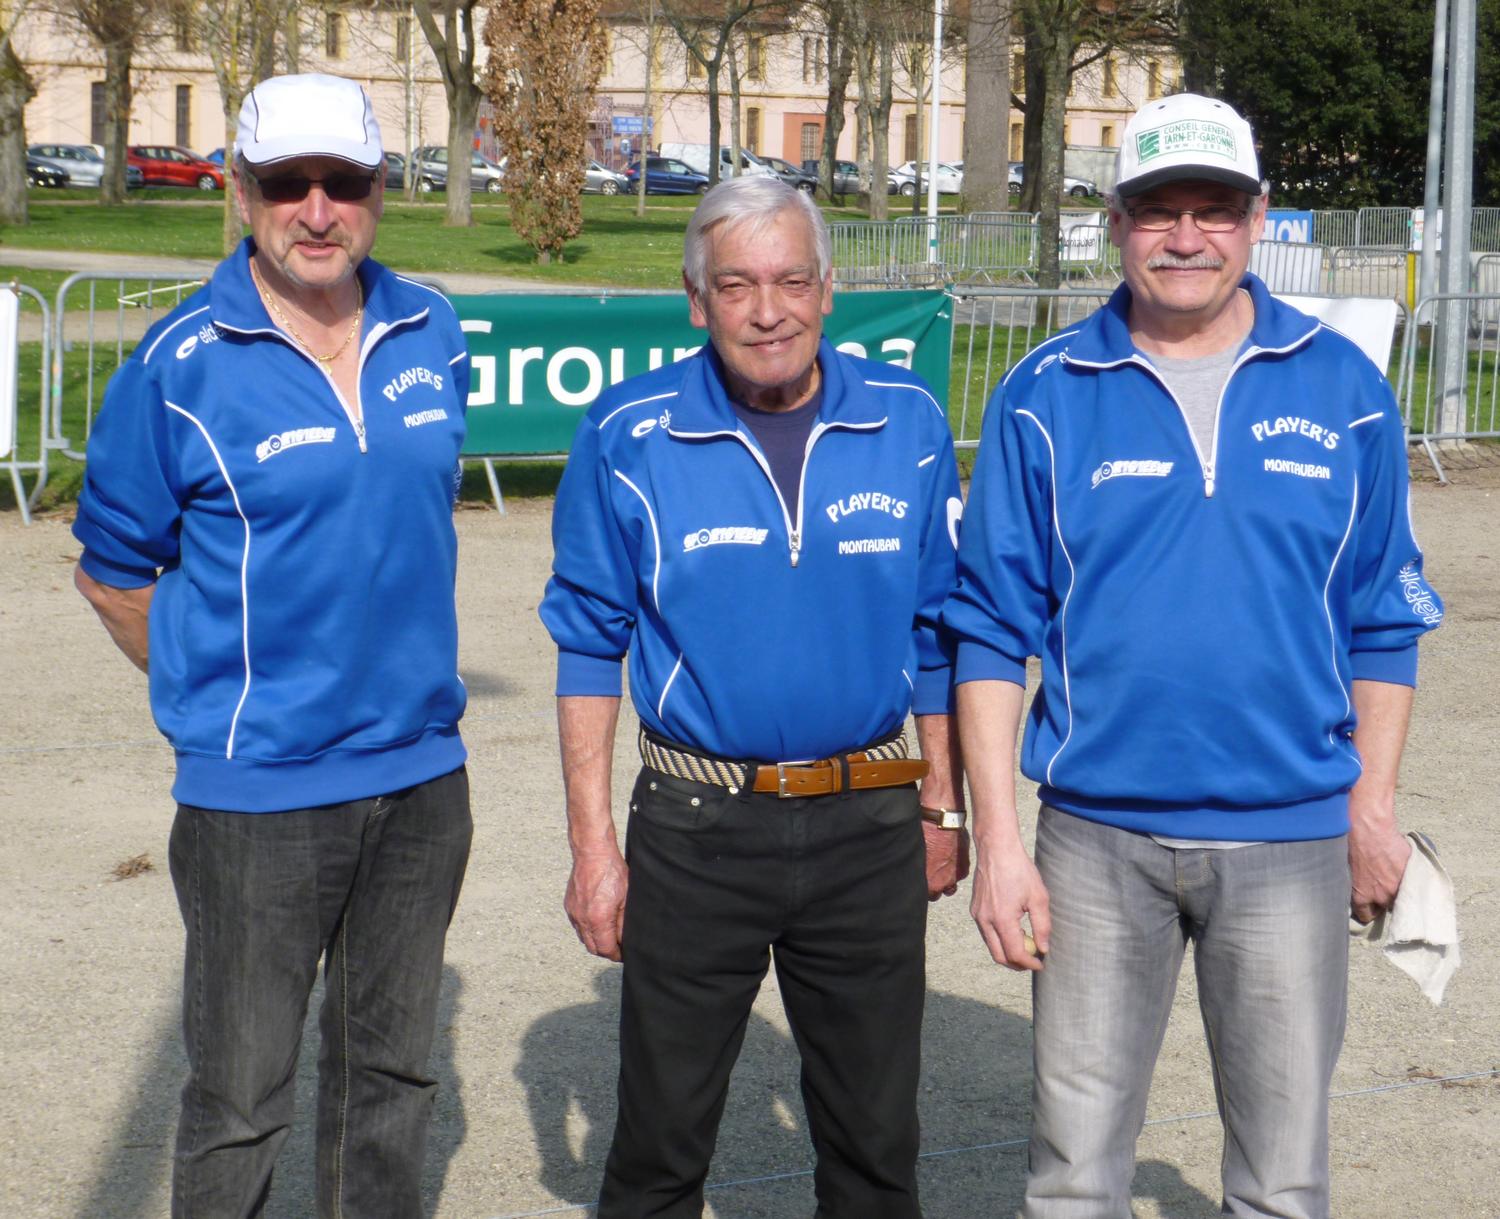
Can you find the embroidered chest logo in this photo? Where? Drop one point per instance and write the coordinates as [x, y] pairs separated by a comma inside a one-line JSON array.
[[866, 501], [1294, 425], [1120, 468], [282, 441], [724, 535], [412, 376]]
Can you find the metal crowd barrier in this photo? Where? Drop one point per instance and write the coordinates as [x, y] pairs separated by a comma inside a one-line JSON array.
[[1446, 407], [1334, 228], [90, 343], [11, 459], [1383, 226], [993, 327]]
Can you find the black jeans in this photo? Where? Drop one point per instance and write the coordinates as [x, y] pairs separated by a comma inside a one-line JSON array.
[[370, 887], [834, 890]]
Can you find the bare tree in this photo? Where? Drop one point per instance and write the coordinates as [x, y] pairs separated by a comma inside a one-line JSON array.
[[545, 61], [449, 27], [16, 89], [119, 30], [706, 29], [240, 37]]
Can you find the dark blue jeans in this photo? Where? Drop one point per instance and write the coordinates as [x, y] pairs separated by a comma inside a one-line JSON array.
[[369, 887], [833, 891]]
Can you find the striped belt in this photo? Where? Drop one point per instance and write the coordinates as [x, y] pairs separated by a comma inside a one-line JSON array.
[[884, 765]]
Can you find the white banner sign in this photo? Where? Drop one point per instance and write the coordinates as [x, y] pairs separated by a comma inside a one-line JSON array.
[[1369, 321], [10, 308]]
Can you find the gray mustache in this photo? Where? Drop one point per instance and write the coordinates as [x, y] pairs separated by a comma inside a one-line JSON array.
[[1191, 262]]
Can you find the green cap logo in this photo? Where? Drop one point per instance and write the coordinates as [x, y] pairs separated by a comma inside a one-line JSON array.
[[1186, 136], [1147, 145]]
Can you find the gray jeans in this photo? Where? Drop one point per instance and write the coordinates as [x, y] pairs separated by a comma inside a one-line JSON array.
[[369, 887], [1269, 925]]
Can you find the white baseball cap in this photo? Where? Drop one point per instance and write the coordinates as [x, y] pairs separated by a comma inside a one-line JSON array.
[[311, 115], [1184, 138]]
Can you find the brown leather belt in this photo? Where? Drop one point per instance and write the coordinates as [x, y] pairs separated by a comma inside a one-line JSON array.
[[883, 765]]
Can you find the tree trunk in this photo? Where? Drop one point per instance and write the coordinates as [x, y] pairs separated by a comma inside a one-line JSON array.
[[715, 126], [734, 108], [1035, 87], [645, 143], [840, 66], [880, 132], [987, 104], [292, 37], [1050, 179], [234, 223], [117, 57], [918, 77], [463, 111], [16, 89]]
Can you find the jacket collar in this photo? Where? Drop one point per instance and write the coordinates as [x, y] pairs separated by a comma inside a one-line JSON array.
[[1104, 339], [235, 303], [703, 407]]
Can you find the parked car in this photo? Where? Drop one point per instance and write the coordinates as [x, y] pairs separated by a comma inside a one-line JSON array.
[[791, 175], [1078, 188], [83, 163], [395, 171], [950, 178], [696, 158], [599, 180], [667, 176], [432, 163], [845, 177], [39, 173], [167, 165]]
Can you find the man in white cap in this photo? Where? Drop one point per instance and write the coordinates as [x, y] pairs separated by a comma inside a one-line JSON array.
[[1193, 508], [267, 531]]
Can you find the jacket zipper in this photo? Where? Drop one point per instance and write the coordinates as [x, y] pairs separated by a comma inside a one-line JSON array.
[[1209, 479], [793, 533]]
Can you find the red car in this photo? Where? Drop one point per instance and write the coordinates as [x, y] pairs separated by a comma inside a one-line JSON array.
[[164, 165]]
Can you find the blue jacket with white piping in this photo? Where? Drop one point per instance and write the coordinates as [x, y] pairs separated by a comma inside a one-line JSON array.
[[753, 635], [1199, 616], [303, 633]]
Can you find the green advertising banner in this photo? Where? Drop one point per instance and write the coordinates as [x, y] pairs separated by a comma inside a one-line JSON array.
[[537, 362]]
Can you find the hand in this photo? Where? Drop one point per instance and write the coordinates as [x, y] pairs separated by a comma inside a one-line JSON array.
[[1006, 886], [1377, 861], [595, 900], [947, 859]]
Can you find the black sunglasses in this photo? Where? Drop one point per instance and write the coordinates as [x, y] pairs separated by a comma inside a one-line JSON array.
[[293, 188]]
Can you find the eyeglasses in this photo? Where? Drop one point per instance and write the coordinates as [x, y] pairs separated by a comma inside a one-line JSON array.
[[293, 188], [1215, 218]]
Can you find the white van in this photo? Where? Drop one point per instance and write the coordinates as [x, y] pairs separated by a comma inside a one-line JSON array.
[[695, 157]]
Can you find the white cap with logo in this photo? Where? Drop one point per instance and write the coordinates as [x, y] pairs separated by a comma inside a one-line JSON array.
[[311, 115], [1186, 137]]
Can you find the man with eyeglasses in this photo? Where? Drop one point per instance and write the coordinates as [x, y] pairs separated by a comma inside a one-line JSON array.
[[1192, 507], [267, 532]]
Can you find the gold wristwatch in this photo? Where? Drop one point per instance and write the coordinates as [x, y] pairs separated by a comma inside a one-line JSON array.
[[945, 818]]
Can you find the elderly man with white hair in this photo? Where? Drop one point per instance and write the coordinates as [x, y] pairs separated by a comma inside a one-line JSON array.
[[768, 530]]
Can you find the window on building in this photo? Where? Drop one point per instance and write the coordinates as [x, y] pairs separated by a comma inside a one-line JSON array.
[[1107, 135], [185, 115], [403, 38], [1111, 85], [336, 36], [910, 134], [1017, 141], [182, 31], [812, 141], [755, 57], [96, 112], [807, 58], [819, 67], [695, 68], [1153, 78], [1018, 72], [752, 128]]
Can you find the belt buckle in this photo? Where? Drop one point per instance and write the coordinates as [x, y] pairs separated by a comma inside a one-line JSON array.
[[781, 792]]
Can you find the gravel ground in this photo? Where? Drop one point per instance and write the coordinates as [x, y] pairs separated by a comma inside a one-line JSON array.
[[89, 977]]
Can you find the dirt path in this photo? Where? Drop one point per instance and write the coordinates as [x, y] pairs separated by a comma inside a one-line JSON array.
[[89, 975]]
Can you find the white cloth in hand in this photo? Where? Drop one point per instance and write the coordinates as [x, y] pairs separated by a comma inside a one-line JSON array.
[[1419, 934]]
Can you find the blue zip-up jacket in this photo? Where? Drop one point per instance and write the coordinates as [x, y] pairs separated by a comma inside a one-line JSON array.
[[1199, 616], [304, 643], [753, 635]]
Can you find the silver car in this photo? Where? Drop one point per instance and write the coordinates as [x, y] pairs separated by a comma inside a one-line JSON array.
[[83, 163], [601, 181]]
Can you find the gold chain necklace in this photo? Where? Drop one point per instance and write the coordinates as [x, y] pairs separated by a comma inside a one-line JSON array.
[[359, 316]]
